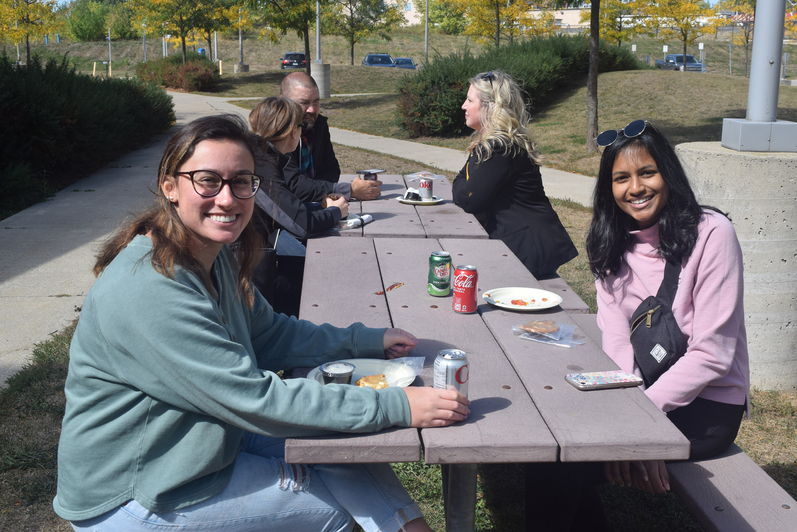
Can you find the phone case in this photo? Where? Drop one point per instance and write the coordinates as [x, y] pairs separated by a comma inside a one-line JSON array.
[[598, 380]]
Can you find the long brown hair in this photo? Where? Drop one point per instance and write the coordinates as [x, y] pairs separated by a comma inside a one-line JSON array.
[[171, 239]]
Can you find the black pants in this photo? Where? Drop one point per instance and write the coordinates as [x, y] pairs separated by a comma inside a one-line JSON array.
[[562, 496], [279, 279]]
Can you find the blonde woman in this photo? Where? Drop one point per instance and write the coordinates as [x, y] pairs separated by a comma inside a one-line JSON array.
[[501, 182]]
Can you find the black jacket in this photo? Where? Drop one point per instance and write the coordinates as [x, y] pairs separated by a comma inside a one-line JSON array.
[[506, 195], [280, 208], [327, 169]]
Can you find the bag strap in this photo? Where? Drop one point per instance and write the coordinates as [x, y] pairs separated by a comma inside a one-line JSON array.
[[669, 285]]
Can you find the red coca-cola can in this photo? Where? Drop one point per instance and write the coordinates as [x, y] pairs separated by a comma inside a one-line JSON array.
[[464, 287]]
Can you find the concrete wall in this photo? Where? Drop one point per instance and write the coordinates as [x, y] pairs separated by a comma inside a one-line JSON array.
[[759, 191]]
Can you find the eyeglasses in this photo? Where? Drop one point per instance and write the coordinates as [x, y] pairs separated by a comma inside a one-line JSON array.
[[489, 76], [634, 129], [208, 183]]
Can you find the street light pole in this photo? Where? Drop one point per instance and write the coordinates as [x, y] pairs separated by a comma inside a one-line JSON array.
[[426, 34]]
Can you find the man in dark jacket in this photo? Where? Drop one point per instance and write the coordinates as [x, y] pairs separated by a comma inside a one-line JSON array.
[[313, 170]]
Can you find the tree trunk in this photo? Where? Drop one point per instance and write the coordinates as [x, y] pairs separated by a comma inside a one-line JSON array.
[[497, 26], [592, 79], [27, 50], [182, 41], [351, 42], [306, 33], [684, 55], [210, 45]]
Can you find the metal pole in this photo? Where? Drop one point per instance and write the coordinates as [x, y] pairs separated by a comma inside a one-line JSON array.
[[318, 31], [240, 35], [426, 34], [459, 496], [109, 46], [762, 96], [216, 45], [145, 44]]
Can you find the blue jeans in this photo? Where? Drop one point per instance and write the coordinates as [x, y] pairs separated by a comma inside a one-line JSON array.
[[265, 493]]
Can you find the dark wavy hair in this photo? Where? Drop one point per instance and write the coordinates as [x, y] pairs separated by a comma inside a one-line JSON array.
[[171, 239], [608, 236]]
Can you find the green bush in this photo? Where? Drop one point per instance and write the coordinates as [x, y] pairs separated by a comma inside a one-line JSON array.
[[86, 21], [198, 73], [430, 100], [62, 126]]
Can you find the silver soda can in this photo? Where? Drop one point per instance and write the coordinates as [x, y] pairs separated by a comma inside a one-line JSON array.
[[451, 371]]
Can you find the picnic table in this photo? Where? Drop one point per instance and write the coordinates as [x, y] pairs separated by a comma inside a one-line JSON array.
[[522, 410]]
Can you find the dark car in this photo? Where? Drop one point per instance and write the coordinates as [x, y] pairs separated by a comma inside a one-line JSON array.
[[405, 62], [293, 60], [383, 60], [676, 62]]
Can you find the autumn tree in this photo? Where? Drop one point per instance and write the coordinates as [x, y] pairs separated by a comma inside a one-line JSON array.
[[490, 20], [790, 22], [281, 16], [680, 19], [177, 17], [215, 15], [356, 19], [444, 15], [619, 21], [26, 19]]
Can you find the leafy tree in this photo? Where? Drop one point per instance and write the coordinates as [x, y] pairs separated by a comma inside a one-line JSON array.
[[121, 19], [24, 19], [618, 20], [681, 19], [213, 16], [86, 21], [743, 20], [489, 20], [444, 15], [790, 22], [356, 19], [177, 17], [281, 16]]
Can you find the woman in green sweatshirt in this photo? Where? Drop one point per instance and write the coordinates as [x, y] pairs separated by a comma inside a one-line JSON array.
[[174, 415]]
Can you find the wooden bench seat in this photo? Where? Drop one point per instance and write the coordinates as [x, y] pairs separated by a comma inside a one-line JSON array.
[[727, 493]]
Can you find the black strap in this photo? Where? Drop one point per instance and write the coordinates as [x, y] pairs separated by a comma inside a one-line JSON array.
[[670, 283]]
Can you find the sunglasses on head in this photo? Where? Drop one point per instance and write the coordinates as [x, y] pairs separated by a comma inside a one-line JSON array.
[[489, 76], [634, 129]]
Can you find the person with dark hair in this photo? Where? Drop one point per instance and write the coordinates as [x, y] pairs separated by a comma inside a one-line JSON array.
[[174, 415], [313, 170], [501, 184], [645, 216]]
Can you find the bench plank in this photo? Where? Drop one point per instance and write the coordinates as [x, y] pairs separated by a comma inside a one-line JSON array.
[[731, 492], [339, 300], [599, 425], [509, 429]]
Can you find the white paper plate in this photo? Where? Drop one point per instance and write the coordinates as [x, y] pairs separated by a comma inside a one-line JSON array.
[[534, 298], [434, 201], [396, 373]]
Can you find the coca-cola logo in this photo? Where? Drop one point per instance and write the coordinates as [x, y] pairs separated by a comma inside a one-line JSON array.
[[462, 375], [426, 184], [464, 280]]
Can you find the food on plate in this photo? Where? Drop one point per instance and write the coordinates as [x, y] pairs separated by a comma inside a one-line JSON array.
[[540, 327], [519, 302], [377, 382]]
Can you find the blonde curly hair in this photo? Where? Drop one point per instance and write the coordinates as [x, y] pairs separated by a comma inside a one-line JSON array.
[[503, 116]]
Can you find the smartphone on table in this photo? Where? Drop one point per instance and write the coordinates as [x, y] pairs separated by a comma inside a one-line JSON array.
[[599, 380]]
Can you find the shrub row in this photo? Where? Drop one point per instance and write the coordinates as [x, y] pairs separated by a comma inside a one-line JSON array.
[[430, 100], [59, 126], [198, 73]]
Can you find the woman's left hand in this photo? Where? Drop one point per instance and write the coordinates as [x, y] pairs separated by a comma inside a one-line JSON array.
[[651, 476], [398, 343]]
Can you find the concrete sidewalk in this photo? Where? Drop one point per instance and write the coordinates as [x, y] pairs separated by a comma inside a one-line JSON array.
[[49, 249]]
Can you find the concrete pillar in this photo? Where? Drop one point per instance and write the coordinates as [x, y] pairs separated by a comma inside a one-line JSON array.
[[758, 191], [320, 73]]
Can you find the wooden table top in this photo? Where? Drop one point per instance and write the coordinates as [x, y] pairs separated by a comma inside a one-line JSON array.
[[522, 409]]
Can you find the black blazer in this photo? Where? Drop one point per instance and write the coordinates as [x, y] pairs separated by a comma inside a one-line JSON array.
[[506, 195]]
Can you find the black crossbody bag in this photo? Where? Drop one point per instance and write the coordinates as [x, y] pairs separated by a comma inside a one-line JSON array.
[[655, 336]]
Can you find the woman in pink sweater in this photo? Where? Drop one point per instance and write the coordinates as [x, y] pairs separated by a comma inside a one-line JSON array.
[[645, 214]]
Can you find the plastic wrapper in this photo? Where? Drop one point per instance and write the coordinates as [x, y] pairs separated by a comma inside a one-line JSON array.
[[562, 338], [355, 220], [414, 363]]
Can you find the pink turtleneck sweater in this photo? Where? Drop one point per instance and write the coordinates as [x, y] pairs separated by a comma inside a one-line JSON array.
[[708, 307]]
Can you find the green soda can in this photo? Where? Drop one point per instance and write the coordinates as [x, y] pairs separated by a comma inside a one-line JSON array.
[[439, 273]]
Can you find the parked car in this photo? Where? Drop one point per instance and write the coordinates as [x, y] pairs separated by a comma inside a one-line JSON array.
[[382, 60], [405, 62], [293, 60], [676, 62]]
